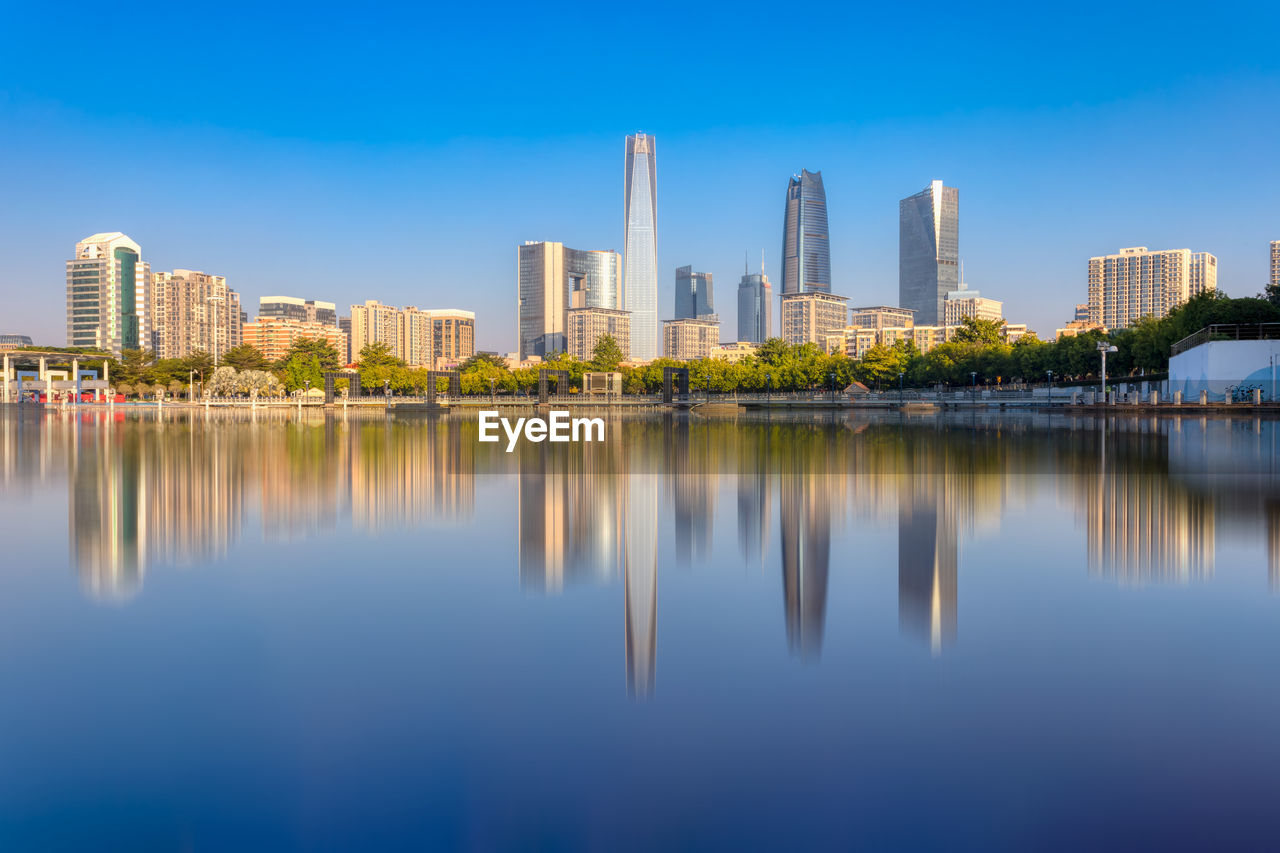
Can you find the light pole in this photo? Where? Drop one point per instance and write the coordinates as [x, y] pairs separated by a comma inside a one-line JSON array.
[[831, 380], [973, 379], [1103, 349], [493, 394], [768, 386], [1050, 373], [900, 375], [191, 385], [306, 395], [386, 391]]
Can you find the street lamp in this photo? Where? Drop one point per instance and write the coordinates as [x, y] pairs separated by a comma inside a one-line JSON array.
[[900, 375], [493, 394], [768, 386], [386, 389], [831, 380], [1103, 349], [191, 385], [1050, 375], [973, 379]]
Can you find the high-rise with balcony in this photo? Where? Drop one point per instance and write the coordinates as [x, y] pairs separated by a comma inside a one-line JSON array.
[[806, 251], [694, 297], [928, 251], [1137, 282], [755, 307], [1275, 264], [640, 275], [551, 279], [108, 295], [192, 311]]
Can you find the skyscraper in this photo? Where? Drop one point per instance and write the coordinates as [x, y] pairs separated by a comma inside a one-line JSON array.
[[693, 294], [640, 275], [806, 253], [755, 307], [108, 294], [1275, 264], [551, 280], [928, 251]]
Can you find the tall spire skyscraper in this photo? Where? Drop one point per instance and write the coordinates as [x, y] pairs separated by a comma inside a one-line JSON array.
[[640, 263], [806, 253], [928, 251]]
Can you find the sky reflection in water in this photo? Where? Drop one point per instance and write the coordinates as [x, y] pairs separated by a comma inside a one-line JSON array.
[[303, 632]]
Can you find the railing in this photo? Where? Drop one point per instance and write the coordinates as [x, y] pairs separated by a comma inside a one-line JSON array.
[[1228, 332]]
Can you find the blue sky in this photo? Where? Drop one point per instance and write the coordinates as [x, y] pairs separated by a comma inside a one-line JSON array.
[[401, 153]]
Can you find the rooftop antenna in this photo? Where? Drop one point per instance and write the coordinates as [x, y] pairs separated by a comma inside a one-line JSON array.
[[762, 262], [745, 270]]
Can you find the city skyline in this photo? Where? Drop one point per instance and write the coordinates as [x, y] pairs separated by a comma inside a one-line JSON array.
[[273, 179]]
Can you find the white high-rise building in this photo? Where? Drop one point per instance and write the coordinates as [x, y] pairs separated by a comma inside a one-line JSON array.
[[108, 295], [1137, 282], [640, 274], [1275, 264], [193, 311]]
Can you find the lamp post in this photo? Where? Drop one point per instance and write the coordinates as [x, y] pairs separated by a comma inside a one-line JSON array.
[[831, 381], [191, 385], [386, 391], [493, 393], [900, 375], [1050, 374], [1103, 349], [973, 379], [768, 386], [306, 395]]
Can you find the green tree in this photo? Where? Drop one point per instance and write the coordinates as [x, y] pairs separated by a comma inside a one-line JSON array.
[[976, 331], [607, 355], [135, 366], [245, 357]]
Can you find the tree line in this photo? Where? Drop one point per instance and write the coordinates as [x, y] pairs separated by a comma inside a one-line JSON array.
[[978, 354]]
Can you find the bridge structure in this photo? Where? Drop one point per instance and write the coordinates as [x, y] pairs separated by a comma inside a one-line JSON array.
[[14, 381]]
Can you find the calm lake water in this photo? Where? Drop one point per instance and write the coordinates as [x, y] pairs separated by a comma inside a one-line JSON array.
[[283, 632]]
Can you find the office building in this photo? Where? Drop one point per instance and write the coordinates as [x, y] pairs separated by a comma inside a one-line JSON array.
[[881, 316], [273, 336], [344, 324], [551, 280], [192, 311], [453, 337], [694, 297], [302, 310], [1137, 282], [806, 251], [960, 304], [588, 325], [108, 295], [687, 339], [808, 317], [755, 308], [640, 276], [928, 251], [1275, 264]]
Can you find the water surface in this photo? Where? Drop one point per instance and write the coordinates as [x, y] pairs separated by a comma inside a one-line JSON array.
[[264, 630]]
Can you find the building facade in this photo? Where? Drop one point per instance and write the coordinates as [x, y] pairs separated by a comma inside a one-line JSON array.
[[736, 351], [374, 322], [640, 276], [420, 337], [755, 308], [1275, 264], [1137, 282], [273, 336], [551, 279], [344, 324], [880, 316], [806, 250], [453, 336], [12, 342], [694, 295], [302, 310], [192, 311], [688, 339], [588, 325], [808, 317], [108, 295], [928, 251], [960, 304]]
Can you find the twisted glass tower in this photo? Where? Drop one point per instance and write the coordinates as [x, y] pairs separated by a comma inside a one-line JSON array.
[[640, 264], [806, 255]]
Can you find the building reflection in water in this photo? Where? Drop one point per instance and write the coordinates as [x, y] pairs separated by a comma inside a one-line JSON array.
[[1151, 496]]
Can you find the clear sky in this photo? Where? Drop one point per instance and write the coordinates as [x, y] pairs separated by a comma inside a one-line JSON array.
[[401, 153]]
